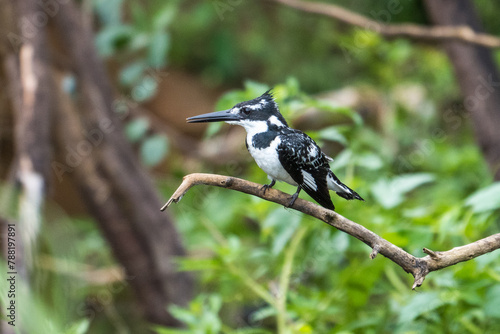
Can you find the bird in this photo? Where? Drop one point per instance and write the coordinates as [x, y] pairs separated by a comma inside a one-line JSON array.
[[283, 153]]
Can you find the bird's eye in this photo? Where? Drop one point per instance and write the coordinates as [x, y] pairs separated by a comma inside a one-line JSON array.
[[245, 110]]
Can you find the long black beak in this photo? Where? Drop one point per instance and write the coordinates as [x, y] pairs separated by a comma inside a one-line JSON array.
[[217, 116]]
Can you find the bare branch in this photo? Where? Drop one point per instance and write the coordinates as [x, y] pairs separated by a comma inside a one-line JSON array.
[[437, 33], [418, 267]]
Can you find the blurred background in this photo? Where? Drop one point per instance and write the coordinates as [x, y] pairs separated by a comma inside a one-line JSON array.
[[93, 141]]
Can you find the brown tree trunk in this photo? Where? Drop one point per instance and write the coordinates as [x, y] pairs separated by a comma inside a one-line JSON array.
[[114, 186], [26, 67], [90, 148], [477, 76]]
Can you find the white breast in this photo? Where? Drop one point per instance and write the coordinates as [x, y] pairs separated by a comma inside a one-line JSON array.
[[267, 159]]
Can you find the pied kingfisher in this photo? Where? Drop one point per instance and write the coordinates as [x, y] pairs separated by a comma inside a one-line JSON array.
[[285, 154]]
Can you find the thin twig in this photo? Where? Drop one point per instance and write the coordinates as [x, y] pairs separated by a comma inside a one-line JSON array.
[[418, 267], [431, 253], [414, 31]]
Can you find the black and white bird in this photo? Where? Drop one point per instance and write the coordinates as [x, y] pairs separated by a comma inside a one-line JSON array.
[[285, 154]]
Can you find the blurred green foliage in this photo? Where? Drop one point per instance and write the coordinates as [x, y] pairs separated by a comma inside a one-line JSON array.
[[136, 36], [227, 40], [242, 248]]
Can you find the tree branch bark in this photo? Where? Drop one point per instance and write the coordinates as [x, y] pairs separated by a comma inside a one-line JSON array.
[[462, 33], [418, 267]]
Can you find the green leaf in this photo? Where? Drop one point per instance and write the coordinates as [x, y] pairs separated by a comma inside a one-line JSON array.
[[340, 242], [215, 302], [164, 16], [281, 225], [390, 192], [145, 89], [201, 316], [132, 73], [158, 48], [370, 161], [254, 89], [111, 38], [333, 134], [333, 107], [183, 314], [213, 128], [81, 327], [109, 11], [341, 160], [486, 199], [251, 91], [492, 304], [262, 313], [139, 41], [419, 305], [153, 150]]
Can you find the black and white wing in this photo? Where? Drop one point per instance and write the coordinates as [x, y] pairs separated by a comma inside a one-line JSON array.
[[301, 157]]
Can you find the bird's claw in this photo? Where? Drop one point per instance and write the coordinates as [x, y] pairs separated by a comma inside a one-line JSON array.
[[264, 188], [267, 186], [293, 198]]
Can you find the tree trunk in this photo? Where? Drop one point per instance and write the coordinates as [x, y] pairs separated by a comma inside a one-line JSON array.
[[476, 74], [90, 148], [115, 187], [26, 67]]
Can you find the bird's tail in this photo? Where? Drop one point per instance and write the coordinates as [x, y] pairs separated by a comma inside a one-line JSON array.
[[341, 189]]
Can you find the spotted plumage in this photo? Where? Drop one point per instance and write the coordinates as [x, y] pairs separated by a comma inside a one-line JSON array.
[[284, 154]]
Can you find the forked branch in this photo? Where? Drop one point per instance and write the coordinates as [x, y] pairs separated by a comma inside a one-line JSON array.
[[418, 267]]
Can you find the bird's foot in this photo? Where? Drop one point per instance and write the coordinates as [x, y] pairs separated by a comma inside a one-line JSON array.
[[294, 196], [268, 186], [292, 199]]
